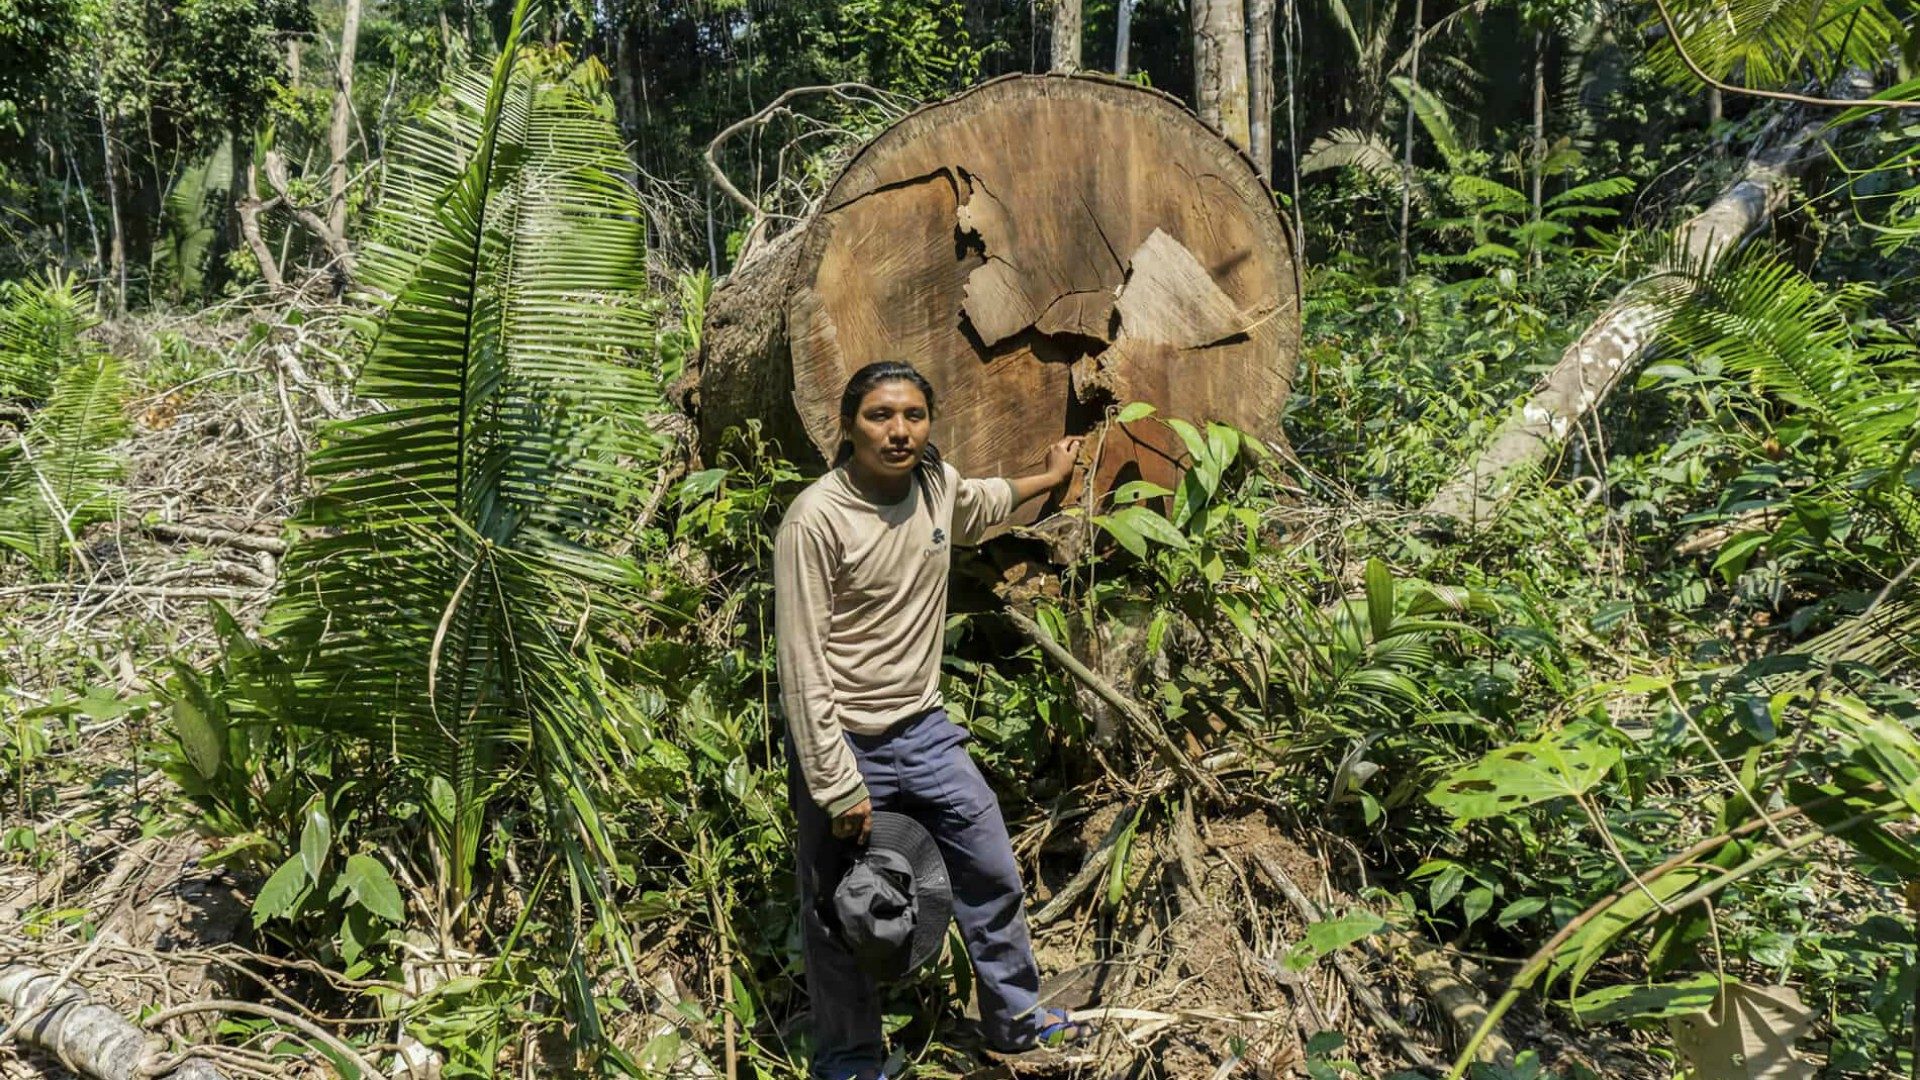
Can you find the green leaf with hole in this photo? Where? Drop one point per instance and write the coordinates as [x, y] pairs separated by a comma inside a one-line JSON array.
[[373, 888], [1566, 763], [1135, 490]]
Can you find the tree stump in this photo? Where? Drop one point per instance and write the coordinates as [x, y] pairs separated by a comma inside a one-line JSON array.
[[1042, 247]]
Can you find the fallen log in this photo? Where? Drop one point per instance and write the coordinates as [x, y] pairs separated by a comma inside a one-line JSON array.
[[1614, 343], [1042, 247], [87, 1037]]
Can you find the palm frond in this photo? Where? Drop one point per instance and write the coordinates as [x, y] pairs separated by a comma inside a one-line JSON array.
[[1365, 153], [1436, 119], [60, 475], [1775, 43], [190, 219], [445, 594], [43, 321], [1803, 343]]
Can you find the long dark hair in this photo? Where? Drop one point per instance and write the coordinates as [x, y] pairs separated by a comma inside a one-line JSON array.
[[863, 383]]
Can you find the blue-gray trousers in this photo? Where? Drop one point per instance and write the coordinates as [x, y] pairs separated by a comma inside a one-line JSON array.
[[918, 767]]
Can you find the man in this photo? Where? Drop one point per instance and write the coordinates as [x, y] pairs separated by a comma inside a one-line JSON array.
[[860, 597]]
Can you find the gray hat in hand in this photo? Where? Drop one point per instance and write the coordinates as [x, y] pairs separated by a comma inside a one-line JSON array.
[[893, 902]]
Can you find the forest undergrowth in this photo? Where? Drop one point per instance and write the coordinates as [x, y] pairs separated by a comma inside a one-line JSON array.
[[390, 671]]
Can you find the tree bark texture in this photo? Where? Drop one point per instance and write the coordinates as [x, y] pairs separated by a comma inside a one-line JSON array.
[[1260, 97], [1042, 247], [92, 1039], [1066, 35], [1615, 342], [1220, 68], [342, 120]]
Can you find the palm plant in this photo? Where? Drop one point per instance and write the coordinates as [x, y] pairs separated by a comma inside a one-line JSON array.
[[58, 473], [190, 216], [1772, 43], [42, 323], [1851, 388], [445, 602]]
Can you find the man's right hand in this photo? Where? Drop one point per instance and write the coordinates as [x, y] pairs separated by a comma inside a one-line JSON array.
[[856, 823]]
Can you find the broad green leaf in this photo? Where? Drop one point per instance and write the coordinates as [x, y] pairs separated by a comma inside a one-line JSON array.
[[356, 932], [1137, 410], [1593, 941], [200, 723], [1520, 909], [1476, 904], [1735, 554], [1442, 890], [1379, 599], [1152, 526], [316, 837], [1126, 535], [1566, 763], [1658, 1001], [373, 888], [282, 892], [1331, 935], [1223, 445]]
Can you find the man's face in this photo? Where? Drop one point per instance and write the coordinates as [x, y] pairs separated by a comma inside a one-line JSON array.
[[890, 429]]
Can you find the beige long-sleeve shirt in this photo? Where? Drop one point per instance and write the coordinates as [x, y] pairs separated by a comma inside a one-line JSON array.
[[860, 603]]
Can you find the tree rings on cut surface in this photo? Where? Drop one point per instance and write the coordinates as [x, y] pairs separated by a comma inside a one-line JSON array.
[[1042, 247]]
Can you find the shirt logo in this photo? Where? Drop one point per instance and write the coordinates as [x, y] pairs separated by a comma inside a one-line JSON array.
[[939, 541]]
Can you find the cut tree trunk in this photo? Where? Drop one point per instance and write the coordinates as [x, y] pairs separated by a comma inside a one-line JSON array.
[[1615, 342], [1042, 248], [1066, 35], [1220, 68]]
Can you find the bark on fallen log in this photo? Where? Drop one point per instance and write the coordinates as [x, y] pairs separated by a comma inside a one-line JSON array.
[[1614, 343], [87, 1037]]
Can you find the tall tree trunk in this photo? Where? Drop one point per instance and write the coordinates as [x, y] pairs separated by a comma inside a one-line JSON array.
[[1122, 37], [1066, 35], [342, 121], [1539, 135], [117, 244], [1260, 84], [1716, 109], [627, 93], [1291, 37], [1220, 68], [1406, 161]]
